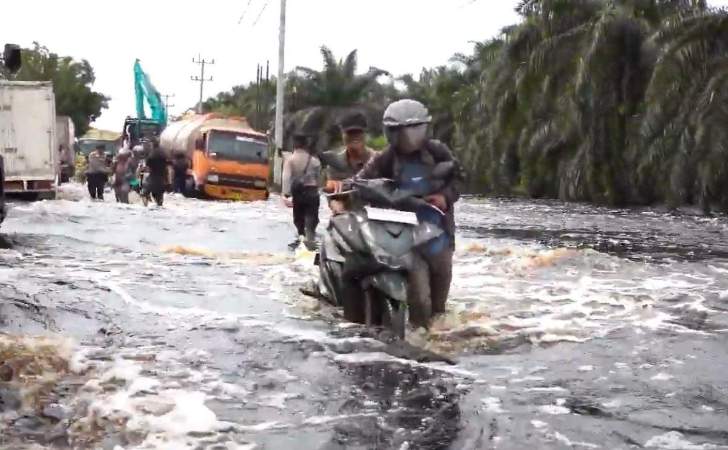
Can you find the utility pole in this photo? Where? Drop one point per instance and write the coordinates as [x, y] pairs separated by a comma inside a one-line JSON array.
[[280, 88], [258, 76], [201, 79], [166, 102]]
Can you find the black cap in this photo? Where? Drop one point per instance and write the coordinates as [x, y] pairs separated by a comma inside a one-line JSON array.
[[354, 121]]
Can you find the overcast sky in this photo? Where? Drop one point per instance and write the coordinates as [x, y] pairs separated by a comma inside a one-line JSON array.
[[401, 36]]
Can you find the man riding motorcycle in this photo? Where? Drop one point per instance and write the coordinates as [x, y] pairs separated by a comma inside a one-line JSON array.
[[408, 160]]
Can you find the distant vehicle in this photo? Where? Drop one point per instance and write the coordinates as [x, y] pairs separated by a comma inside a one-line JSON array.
[[228, 158], [11, 61], [111, 141], [137, 129], [66, 140], [28, 138]]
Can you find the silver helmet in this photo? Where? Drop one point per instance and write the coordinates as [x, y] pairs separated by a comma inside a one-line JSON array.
[[407, 112], [405, 125]]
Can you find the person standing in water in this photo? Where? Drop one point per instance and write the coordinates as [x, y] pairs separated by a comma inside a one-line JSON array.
[[180, 164], [124, 172], [301, 176], [97, 173], [156, 163]]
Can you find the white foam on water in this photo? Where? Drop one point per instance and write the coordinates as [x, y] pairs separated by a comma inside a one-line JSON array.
[[278, 400], [323, 420], [674, 440], [662, 377], [189, 415], [571, 444], [493, 405], [552, 389], [554, 410], [122, 370]]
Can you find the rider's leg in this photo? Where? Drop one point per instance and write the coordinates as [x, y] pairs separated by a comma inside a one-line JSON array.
[[418, 295], [440, 279], [312, 219]]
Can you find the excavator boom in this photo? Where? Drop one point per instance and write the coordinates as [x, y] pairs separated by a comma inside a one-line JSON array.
[[145, 90]]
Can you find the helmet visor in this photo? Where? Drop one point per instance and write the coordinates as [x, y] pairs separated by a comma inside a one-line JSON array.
[[407, 139]]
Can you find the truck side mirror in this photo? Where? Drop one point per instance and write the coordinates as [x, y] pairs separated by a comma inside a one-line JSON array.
[[11, 57]]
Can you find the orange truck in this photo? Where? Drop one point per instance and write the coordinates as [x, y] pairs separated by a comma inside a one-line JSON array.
[[228, 159]]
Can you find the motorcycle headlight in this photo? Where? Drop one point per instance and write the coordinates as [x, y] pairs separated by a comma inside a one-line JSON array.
[[213, 178]]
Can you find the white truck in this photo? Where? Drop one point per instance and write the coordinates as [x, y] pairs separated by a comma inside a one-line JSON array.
[[66, 140], [28, 138]]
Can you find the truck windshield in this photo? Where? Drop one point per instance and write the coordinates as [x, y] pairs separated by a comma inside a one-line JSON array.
[[237, 147]]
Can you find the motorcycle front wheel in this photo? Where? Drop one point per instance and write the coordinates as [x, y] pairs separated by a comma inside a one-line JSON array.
[[385, 311]]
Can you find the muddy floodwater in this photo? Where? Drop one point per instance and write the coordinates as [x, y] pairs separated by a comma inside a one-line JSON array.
[[571, 327]]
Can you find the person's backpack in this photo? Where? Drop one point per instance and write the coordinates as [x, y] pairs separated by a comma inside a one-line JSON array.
[[304, 187]]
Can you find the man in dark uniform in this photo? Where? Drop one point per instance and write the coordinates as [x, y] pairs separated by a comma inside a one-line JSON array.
[[154, 182], [301, 176], [346, 162]]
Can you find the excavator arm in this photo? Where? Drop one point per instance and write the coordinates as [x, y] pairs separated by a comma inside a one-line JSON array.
[[145, 90]]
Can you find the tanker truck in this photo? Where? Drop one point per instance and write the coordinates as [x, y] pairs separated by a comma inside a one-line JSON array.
[[228, 160]]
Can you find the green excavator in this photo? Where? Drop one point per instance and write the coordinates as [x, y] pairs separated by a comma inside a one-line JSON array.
[[143, 127]]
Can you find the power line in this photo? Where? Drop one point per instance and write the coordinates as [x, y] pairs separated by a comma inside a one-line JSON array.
[[260, 14], [245, 11], [201, 79]]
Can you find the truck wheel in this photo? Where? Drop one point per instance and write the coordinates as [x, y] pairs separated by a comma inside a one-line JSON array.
[[191, 189]]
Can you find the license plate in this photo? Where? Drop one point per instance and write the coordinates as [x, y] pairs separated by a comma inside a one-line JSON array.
[[391, 215]]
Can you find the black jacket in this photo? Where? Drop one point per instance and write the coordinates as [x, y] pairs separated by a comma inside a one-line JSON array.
[[387, 165]]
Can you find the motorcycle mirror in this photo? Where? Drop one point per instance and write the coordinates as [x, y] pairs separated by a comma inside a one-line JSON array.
[[12, 57], [443, 169]]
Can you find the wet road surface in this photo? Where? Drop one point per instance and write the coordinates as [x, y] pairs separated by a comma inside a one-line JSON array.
[[182, 327]]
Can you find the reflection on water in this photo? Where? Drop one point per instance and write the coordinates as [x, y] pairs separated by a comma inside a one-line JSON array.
[[183, 327]]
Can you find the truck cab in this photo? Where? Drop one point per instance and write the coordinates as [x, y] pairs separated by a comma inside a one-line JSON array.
[[226, 158], [137, 129], [231, 164]]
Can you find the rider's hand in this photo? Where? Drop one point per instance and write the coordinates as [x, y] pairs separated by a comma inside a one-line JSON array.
[[437, 200], [288, 202], [333, 187]]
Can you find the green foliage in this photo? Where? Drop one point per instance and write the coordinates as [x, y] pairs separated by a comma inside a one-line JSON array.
[[610, 101], [72, 84], [377, 142], [337, 84], [315, 99], [254, 101]]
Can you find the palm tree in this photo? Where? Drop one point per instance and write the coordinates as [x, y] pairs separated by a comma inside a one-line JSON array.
[[599, 100], [322, 97], [338, 84]]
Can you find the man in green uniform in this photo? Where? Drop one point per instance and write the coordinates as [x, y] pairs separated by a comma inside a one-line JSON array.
[[348, 161]]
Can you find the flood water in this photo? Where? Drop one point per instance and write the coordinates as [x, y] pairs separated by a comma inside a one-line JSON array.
[[183, 328]]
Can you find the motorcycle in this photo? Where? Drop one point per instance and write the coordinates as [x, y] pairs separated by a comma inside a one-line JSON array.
[[367, 252]]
